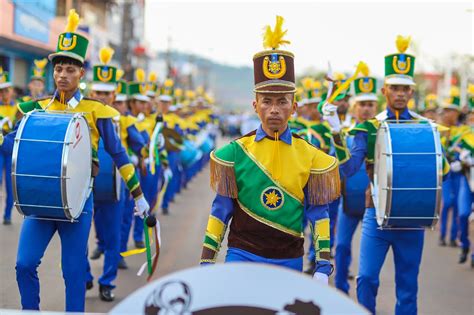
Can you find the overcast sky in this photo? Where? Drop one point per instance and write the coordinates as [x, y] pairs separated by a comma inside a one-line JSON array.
[[344, 33]]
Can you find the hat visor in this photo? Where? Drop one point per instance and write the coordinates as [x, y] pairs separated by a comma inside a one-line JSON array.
[[66, 54], [165, 98], [172, 108], [150, 93], [141, 97], [451, 106], [365, 97], [103, 87], [120, 97], [5, 85], [275, 88], [399, 80]]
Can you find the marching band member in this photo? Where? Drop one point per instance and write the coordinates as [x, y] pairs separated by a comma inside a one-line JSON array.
[[36, 85]]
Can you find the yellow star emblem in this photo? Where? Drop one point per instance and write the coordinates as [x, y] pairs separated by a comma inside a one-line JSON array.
[[272, 198]]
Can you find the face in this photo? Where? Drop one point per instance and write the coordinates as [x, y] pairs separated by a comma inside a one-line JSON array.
[[342, 105], [106, 97], [397, 96], [365, 110], [6, 95], [450, 116], [431, 114], [120, 106], [67, 77], [274, 110], [163, 106], [312, 111], [470, 119], [301, 111], [148, 108], [36, 87], [138, 107]]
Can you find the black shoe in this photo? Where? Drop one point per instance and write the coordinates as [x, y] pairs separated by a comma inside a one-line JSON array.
[[165, 211], [311, 269], [89, 285], [105, 293], [453, 243], [463, 256], [96, 254], [7, 221], [442, 242], [122, 264], [139, 244], [350, 276]]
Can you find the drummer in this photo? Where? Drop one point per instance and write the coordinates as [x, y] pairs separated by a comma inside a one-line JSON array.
[[365, 108], [35, 235], [407, 245], [8, 111], [37, 81], [270, 169]]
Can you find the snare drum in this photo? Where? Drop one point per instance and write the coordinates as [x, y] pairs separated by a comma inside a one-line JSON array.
[[107, 183], [51, 165], [407, 175]]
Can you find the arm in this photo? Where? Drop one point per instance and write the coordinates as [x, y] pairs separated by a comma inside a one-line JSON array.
[[136, 142], [351, 161]]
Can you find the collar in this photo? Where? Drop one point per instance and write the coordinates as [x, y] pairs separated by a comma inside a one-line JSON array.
[[405, 115], [73, 101], [285, 136]]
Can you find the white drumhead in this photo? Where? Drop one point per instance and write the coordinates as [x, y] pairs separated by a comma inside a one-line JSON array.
[[237, 288], [78, 158], [381, 173]]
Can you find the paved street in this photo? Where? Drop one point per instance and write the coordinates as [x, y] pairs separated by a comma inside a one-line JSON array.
[[445, 286]]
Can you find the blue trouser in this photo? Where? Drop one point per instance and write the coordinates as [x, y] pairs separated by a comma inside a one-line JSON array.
[[35, 236], [173, 185], [240, 255], [108, 221], [465, 207], [6, 162], [407, 247], [149, 185], [450, 201], [346, 226], [127, 217]]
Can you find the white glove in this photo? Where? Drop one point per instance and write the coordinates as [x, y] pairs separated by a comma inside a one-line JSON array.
[[134, 160], [330, 115], [141, 207], [465, 156], [167, 174], [456, 166], [321, 278]]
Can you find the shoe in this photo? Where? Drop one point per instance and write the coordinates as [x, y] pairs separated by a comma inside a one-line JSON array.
[[442, 242], [139, 244], [89, 285], [165, 211], [311, 269], [350, 276], [96, 253], [105, 293], [463, 256], [453, 243], [122, 264], [7, 221]]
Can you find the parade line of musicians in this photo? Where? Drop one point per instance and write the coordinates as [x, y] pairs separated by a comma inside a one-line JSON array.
[[270, 184]]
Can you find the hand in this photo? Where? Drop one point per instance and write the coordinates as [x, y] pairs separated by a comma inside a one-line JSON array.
[[465, 157], [141, 207], [330, 115], [321, 278], [134, 160], [167, 174], [456, 166]]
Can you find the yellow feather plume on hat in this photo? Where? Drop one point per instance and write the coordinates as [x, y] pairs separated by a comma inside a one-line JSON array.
[[431, 97], [178, 92], [40, 63], [105, 55], [140, 75], [402, 43], [152, 77], [363, 69], [454, 91], [273, 39], [307, 83], [470, 89], [119, 74], [72, 21], [200, 91], [190, 94], [338, 76], [316, 85], [168, 83]]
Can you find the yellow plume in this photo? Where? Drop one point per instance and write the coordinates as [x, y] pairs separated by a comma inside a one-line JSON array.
[[72, 21], [402, 43], [454, 91], [152, 77], [363, 68], [190, 94], [316, 85], [470, 89], [105, 55], [119, 74], [140, 75], [431, 97], [41, 63], [338, 76], [200, 90], [178, 92], [307, 83], [1, 69], [274, 39], [168, 83]]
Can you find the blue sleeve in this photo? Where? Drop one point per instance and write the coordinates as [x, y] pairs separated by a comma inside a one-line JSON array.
[[222, 208], [135, 140], [358, 154], [9, 141], [112, 143]]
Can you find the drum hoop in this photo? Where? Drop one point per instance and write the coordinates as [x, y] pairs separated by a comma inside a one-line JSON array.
[[439, 178], [16, 146], [389, 160]]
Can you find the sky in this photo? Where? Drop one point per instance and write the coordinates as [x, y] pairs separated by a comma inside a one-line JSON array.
[[340, 32]]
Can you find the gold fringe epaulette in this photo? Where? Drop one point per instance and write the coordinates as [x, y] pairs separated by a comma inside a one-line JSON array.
[[223, 179], [324, 186]]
